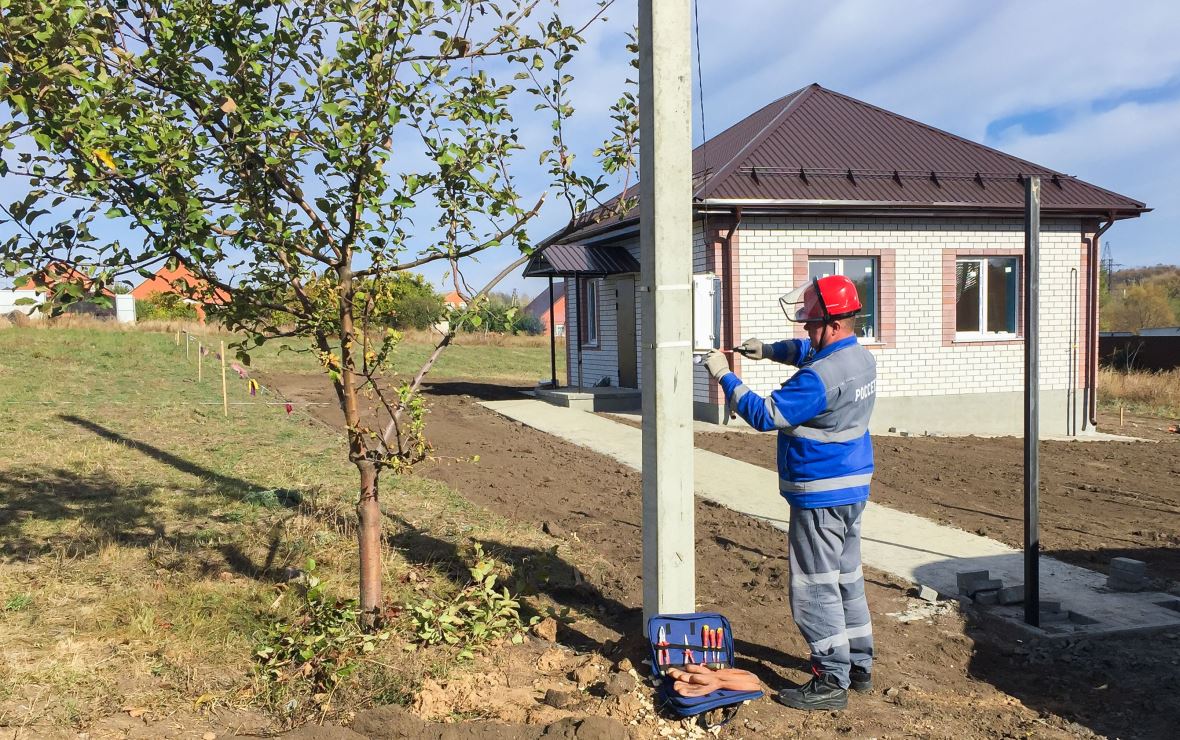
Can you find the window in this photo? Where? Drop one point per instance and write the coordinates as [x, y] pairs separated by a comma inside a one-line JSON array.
[[862, 271], [986, 297], [588, 313]]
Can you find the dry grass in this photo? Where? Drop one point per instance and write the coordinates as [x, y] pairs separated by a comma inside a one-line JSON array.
[[1155, 393], [145, 537], [411, 336]]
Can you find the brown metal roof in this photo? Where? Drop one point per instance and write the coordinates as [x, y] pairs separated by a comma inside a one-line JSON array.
[[570, 259], [819, 150]]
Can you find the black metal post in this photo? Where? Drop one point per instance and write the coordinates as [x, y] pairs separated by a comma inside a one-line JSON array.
[[1032, 543], [552, 338], [580, 323]]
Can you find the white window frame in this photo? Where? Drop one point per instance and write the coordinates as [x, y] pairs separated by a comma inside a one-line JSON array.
[[839, 261], [984, 335], [588, 310]]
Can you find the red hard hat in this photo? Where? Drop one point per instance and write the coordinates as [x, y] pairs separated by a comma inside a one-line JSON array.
[[822, 299]]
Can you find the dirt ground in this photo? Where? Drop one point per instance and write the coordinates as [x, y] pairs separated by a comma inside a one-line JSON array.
[[1099, 500], [936, 676]]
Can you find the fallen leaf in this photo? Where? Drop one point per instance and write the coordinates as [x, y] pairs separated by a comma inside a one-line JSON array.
[[229, 106], [135, 711], [209, 736]]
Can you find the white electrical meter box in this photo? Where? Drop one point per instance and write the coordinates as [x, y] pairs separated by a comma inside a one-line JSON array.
[[706, 312]]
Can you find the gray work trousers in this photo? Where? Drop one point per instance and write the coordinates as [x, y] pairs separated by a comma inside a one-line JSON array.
[[828, 589]]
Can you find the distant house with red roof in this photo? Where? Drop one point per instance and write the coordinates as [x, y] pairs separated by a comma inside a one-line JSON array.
[[183, 282], [454, 300], [539, 307]]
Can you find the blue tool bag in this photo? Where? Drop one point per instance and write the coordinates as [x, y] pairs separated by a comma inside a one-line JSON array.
[[704, 638]]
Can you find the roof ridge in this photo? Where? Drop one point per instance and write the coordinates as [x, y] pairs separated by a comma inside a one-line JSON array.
[[796, 99]]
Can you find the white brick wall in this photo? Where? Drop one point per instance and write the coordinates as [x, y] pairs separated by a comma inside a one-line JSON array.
[[916, 363]]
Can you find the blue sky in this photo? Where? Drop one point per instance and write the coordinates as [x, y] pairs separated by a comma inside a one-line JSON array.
[[1085, 87], [1088, 88]]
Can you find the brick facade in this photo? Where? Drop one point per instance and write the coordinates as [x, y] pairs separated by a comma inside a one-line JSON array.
[[914, 358], [917, 353]]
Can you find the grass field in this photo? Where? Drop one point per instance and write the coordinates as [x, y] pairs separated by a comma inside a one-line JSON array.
[[517, 359], [143, 536]]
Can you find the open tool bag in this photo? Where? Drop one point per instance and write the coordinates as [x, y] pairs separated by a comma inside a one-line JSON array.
[[704, 638]]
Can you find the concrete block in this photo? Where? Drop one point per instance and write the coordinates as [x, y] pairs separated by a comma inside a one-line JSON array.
[[1011, 594], [1053, 617], [987, 598], [967, 578], [1119, 583], [1050, 606], [1128, 566], [927, 594], [991, 584]]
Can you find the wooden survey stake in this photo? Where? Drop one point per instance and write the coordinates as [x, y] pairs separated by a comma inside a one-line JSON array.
[[224, 395]]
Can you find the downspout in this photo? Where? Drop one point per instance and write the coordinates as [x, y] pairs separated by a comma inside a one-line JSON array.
[[1092, 325], [728, 298], [727, 280]]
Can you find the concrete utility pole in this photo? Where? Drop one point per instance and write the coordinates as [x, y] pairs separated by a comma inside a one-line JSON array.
[[665, 197], [1032, 301]]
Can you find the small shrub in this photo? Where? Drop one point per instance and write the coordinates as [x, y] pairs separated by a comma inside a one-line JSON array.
[[475, 616], [305, 661], [164, 307], [530, 325]]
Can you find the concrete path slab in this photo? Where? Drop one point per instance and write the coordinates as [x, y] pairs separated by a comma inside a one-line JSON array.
[[902, 544]]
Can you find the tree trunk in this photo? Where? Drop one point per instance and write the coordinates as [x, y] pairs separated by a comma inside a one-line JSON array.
[[368, 514]]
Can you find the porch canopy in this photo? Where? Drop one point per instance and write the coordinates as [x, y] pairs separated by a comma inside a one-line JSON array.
[[568, 260], [575, 261]]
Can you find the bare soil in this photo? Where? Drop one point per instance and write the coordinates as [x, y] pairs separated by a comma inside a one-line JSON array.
[[1098, 500], [936, 675]]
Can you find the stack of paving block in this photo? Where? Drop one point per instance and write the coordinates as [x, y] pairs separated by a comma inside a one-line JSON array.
[[1127, 575], [979, 586]]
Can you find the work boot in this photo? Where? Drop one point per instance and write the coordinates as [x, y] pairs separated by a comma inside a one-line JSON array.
[[861, 680], [818, 693]]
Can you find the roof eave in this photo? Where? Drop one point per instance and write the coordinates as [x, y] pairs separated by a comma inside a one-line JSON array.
[[863, 207]]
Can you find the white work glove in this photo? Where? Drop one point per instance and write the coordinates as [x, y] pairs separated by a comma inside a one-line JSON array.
[[752, 348], [716, 364]]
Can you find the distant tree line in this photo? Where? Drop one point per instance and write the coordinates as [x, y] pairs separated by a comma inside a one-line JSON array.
[[1140, 298]]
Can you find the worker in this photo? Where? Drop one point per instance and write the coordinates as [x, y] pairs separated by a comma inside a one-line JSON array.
[[825, 464]]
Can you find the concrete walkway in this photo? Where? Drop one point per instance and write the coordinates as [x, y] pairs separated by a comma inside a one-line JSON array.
[[902, 544]]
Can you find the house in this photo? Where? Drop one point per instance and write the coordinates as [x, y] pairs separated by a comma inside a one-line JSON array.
[[540, 308], [182, 281], [928, 224], [454, 301]]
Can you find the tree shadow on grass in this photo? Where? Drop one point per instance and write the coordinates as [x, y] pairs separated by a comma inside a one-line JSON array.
[[57, 510], [227, 485]]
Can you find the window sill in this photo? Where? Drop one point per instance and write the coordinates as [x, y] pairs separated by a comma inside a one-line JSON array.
[[987, 338]]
